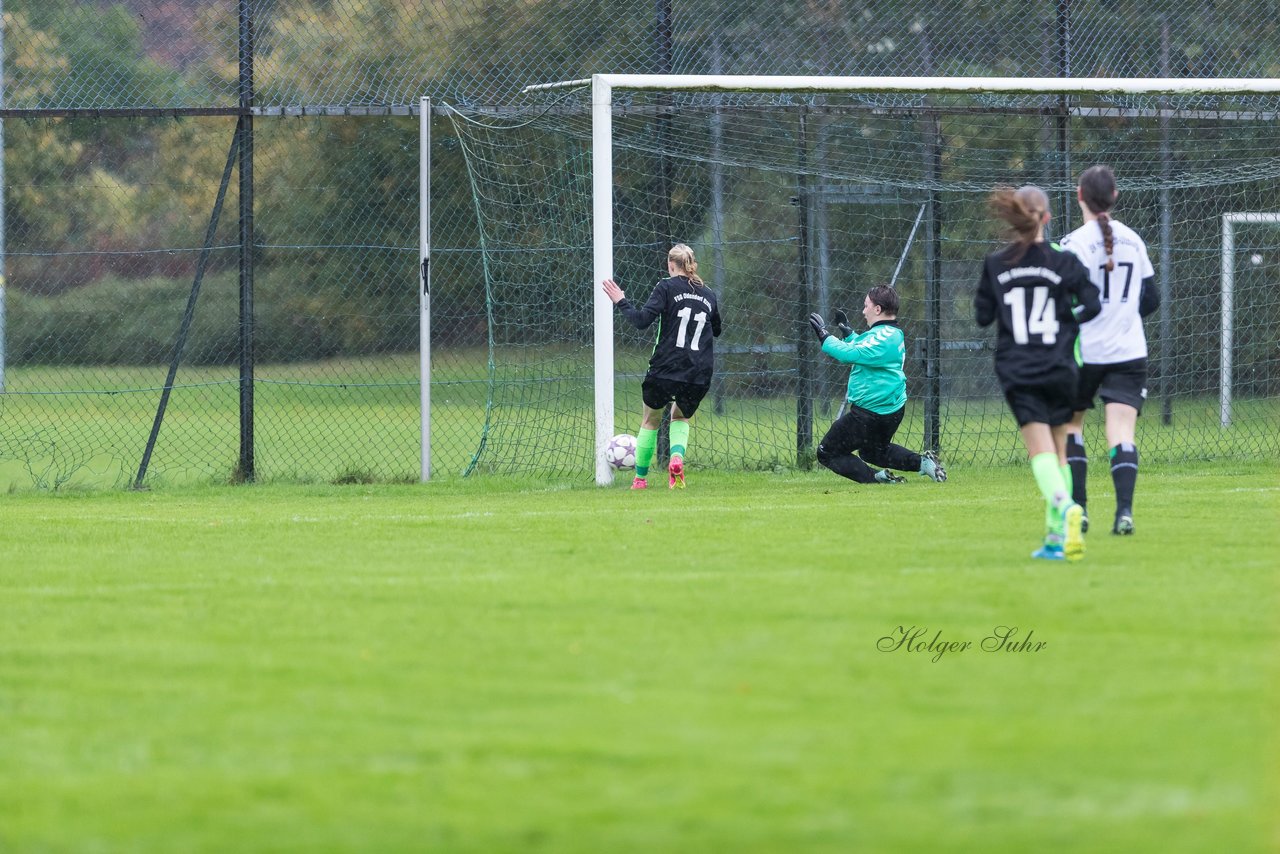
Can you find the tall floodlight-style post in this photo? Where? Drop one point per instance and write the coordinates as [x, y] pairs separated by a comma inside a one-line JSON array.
[[2, 211]]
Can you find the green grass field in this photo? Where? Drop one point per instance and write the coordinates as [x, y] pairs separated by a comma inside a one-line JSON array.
[[490, 665], [358, 419]]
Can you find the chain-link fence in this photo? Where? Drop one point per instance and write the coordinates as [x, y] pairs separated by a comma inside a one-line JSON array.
[[210, 222]]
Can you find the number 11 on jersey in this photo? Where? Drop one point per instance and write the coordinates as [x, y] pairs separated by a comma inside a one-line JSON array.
[[700, 319]]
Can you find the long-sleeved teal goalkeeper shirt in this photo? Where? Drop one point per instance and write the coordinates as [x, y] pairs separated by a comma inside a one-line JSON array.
[[876, 380]]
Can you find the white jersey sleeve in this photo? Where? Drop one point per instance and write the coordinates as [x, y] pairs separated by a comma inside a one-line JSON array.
[[1115, 335]]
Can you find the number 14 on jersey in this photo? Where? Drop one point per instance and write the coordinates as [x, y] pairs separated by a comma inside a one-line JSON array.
[[1041, 320]]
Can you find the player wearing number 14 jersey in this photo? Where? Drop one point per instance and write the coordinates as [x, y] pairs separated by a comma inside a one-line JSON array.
[[1038, 295], [683, 359]]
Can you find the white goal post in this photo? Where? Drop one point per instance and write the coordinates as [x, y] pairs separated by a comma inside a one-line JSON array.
[[424, 286], [1229, 223], [603, 86]]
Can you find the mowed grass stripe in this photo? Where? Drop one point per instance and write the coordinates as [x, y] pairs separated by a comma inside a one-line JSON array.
[[497, 665], [359, 420]]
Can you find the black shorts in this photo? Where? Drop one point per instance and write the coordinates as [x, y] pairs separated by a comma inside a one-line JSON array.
[[870, 435], [1120, 382], [657, 393], [1049, 403]]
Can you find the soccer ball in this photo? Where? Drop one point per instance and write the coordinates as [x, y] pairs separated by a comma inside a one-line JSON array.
[[620, 453]]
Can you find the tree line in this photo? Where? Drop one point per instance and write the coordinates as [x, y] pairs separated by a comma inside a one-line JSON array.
[[94, 204]]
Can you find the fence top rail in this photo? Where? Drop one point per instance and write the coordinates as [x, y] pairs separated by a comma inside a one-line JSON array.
[[958, 85]]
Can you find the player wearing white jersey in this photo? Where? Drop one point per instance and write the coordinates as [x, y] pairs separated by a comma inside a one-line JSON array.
[[1113, 346]]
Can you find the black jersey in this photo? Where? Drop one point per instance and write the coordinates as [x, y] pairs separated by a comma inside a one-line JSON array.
[[1040, 297], [688, 321]]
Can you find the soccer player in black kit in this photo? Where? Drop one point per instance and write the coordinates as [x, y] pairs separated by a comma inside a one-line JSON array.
[[683, 359], [1038, 294]]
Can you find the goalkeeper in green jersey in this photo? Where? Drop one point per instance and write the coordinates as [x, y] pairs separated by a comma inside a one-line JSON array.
[[877, 397]]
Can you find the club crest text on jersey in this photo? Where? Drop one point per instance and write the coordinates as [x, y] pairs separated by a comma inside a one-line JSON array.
[[678, 298], [1028, 273]]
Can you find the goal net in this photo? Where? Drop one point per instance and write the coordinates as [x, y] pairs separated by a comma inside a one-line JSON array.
[[798, 195]]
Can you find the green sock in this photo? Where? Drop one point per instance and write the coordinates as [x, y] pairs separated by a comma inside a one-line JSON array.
[[1055, 520], [679, 437], [646, 444], [1049, 478]]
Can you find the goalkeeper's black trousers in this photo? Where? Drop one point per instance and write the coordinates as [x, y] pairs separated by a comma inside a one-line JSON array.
[[861, 436]]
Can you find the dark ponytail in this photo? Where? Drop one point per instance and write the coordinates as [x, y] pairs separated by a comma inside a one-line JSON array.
[[1098, 192]]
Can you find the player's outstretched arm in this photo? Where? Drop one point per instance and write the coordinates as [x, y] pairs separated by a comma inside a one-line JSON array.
[[1088, 300], [843, 329], [984, 301], [819, 326], [1148, 297], [878, 347], [613, 291], [640, 318]]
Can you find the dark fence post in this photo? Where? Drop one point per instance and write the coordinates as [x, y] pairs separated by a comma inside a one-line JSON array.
[[933, 289], [932, 129], [1066, 197], [184, 328], [1166, 241], [804, 301], [244, 131]]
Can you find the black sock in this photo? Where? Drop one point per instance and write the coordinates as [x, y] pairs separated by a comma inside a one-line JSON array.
[[1079, 463], [1124, 472]]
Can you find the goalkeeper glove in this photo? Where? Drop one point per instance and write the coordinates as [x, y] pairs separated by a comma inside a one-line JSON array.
[[819, 326], [842, 323]]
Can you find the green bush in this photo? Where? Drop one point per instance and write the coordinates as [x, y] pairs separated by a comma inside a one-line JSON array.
[[136, 322], [118, 321]]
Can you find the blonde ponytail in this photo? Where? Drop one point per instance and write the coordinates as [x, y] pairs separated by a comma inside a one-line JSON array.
[[682, 257]]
